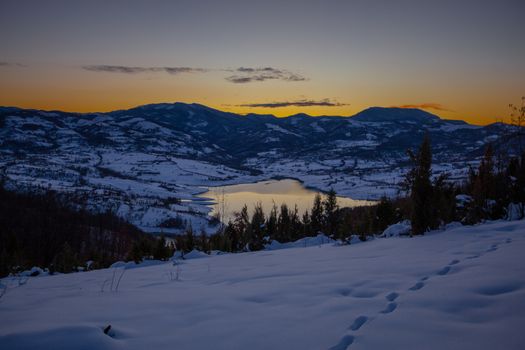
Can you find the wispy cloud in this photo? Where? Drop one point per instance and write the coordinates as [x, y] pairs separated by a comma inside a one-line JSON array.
[[299, 103], [138, 69], [239, 75], [243, 75], [430, 105], [11, 64]]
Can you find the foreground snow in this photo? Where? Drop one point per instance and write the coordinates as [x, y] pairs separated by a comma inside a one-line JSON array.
[[459, 289]]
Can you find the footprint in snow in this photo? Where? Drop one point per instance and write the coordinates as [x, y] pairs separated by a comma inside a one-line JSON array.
[[392, 296], [417, 286], [389, 308], [454, 262], [444, 271], [344, 343], [358, 323], [508, 240]]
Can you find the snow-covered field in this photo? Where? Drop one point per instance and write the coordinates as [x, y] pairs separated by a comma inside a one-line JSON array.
[[463, 288]]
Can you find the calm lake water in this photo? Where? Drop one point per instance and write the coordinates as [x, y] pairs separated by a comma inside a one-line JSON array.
[[268, 192]]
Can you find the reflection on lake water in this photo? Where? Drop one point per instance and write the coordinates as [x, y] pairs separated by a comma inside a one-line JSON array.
[[232, 198]]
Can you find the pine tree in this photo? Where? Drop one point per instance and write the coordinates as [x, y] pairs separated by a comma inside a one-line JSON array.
[[317, 214], [483, 187], [331, 217], [295, 225], [307, 224], [257, 228], [385, 214], [283, 224], [271, 223], [232, 239], [190, 239], [242, 227], [418, 181]]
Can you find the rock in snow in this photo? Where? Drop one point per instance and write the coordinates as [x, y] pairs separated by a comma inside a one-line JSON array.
[[462, 288]]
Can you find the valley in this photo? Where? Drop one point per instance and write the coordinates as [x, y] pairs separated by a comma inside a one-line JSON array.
[[149, 164]]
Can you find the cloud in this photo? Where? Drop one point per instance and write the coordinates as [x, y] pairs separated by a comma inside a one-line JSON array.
[[239, 75], [138, 70], [434, 106], [248, 75], [299, 103], [11, 64]]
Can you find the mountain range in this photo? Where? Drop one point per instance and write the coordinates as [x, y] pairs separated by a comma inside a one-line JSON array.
[[132, 160]]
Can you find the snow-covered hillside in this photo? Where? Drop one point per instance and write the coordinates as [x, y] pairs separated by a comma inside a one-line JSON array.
[[463, 288], [134, 161]]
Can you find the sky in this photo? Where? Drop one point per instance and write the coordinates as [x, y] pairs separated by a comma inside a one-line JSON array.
[[458, 59]]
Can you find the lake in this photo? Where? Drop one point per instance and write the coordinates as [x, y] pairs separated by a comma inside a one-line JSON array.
[[292, 192]]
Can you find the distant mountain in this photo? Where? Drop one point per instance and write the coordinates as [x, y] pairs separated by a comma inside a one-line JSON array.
[[381, 114], [170, 149]]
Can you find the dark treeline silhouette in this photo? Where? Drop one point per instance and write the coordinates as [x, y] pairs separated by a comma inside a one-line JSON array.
[[42, 229]]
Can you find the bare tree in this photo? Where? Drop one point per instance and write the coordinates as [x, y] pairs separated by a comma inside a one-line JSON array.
[[517, 120]]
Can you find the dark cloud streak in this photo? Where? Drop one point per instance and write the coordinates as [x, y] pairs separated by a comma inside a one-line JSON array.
[[139, 70], [248, 75], [300, 103], [11, 64]]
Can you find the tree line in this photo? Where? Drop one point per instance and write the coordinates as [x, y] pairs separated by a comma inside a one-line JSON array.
[[430, 201], [44, 229]]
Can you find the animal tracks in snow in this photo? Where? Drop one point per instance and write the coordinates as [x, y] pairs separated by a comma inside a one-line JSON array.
[[344, 343], [358, 323], [389, 308], [444, 271], [392, 296], [417, 286], [347, 340]]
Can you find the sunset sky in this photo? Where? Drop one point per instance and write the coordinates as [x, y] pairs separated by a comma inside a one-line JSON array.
[[457, 59]]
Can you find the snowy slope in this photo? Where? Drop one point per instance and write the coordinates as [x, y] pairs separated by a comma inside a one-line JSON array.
[[459, 289]]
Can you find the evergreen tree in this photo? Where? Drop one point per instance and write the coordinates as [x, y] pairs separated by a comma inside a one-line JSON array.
[[295, 225], [307, 224], [271, 223], [232, 239], [190, 239], [385, 214], [257, 228], [283, 224], [420, 186], [331, 216], [316, 218], [242, 227], [483, 186]]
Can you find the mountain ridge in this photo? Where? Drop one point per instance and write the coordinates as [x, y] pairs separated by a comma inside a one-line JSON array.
[[368, 113]]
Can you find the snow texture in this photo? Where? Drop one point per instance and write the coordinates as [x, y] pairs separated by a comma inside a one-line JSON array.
[[462, 288]]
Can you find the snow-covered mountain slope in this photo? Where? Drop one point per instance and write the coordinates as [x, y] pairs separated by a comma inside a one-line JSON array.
[[463, 288], [133, 160]]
